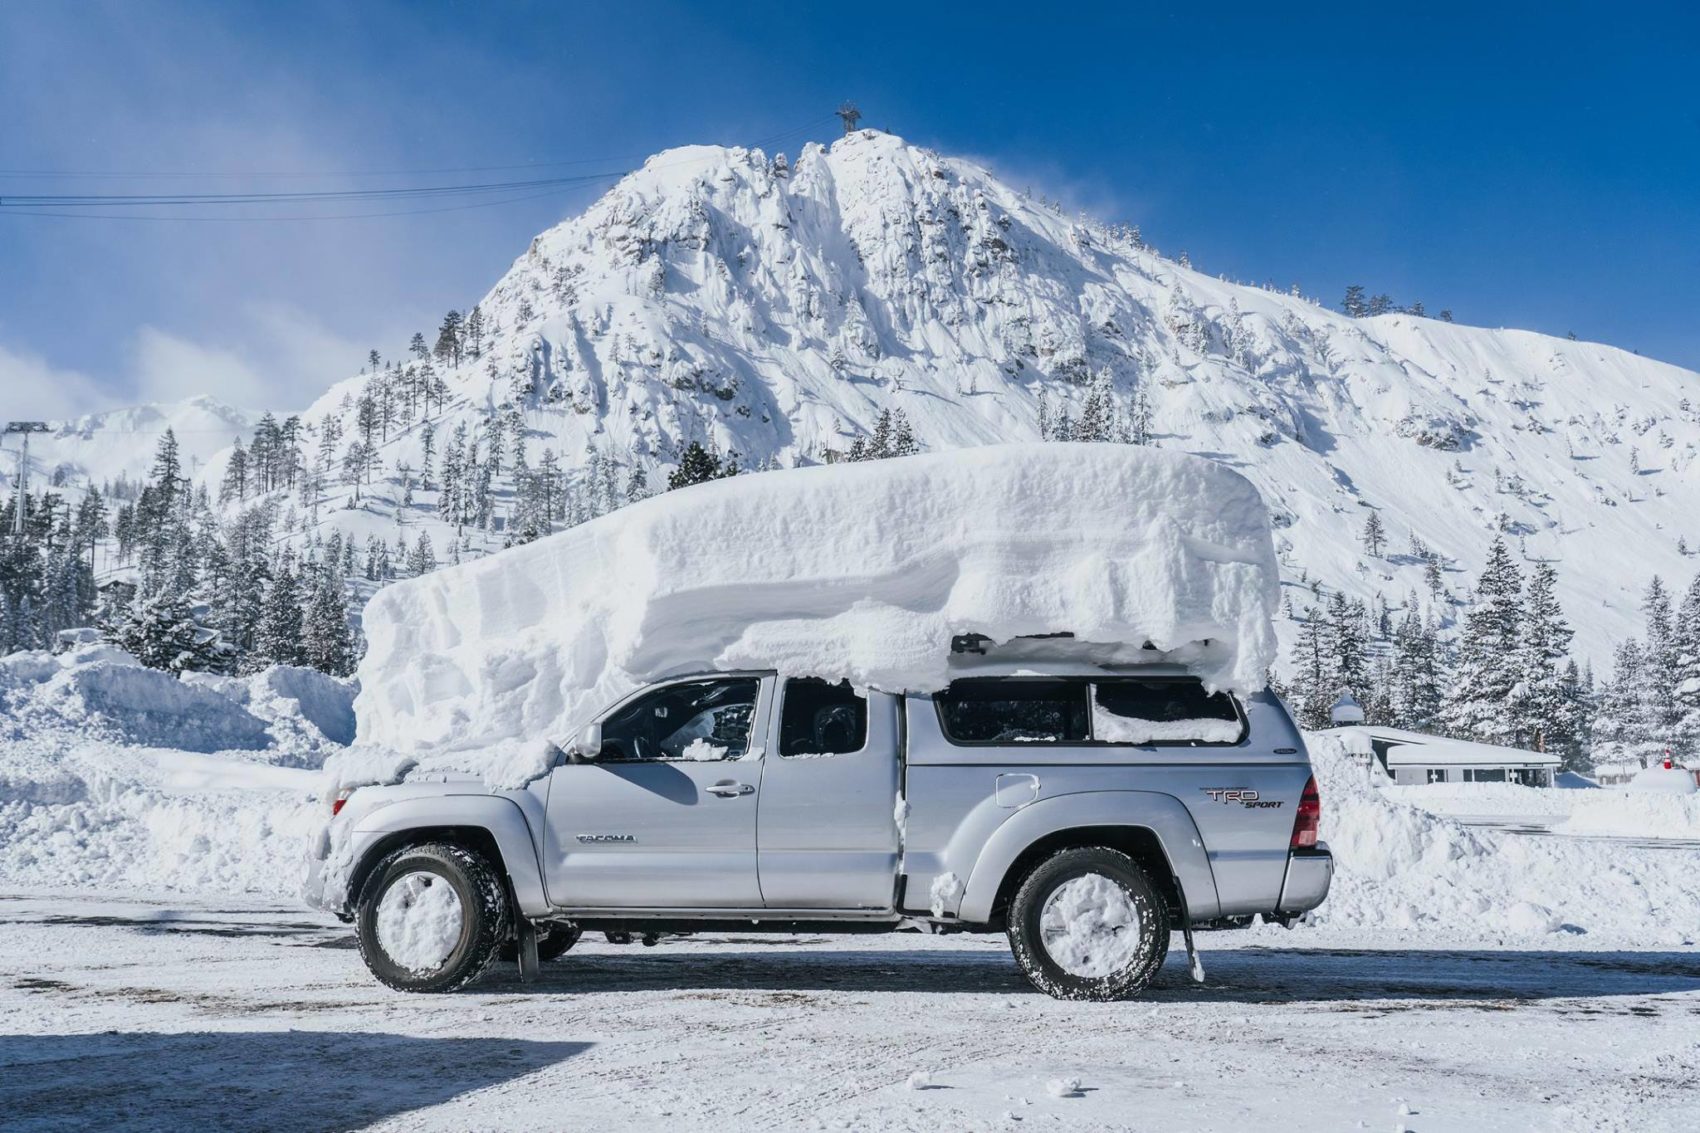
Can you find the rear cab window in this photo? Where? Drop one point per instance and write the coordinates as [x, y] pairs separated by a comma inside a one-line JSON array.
[[1142, 711], [818, 718]]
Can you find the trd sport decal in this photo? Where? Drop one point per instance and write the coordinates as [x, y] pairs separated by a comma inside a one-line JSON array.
[[1245, 796]]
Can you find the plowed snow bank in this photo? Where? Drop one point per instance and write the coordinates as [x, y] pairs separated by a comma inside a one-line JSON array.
[[1401, 867]]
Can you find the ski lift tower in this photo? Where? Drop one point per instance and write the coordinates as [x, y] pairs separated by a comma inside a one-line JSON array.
[[24, 428], [850, 115]]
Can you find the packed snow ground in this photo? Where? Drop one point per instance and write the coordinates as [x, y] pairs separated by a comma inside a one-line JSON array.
[[157, 972], [165, 1014]]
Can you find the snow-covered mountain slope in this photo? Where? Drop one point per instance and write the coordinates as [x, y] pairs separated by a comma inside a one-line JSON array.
[[718, 295], [102, 447]]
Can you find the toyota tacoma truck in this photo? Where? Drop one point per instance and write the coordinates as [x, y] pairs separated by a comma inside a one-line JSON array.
[[1086, 811]]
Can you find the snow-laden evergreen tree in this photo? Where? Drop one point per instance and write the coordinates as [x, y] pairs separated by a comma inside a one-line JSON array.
[[1354, 304], [327, 641], [1375, 535], [1623, 731], [277, 640], [167, 631], [1311, 663], [1417, 679], [1545, 709], [698, 465], [1685, 635], [422, 559], [1479, 703], [1659, 665], [1348, 648], [235, 483]]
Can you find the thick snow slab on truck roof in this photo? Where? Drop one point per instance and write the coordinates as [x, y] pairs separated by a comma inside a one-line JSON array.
[[861, 571]]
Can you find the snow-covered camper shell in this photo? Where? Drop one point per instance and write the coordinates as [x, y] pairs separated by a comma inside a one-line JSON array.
[[889, 747]]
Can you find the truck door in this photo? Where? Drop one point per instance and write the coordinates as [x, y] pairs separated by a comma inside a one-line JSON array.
[[827, 836], [665, 817]]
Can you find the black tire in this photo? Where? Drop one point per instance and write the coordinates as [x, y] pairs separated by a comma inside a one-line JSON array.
[[483, 906], [553, 941], [1134, 962]]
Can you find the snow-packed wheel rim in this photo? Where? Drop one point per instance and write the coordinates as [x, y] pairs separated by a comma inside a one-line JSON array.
[[1090, 927], [420, 922]]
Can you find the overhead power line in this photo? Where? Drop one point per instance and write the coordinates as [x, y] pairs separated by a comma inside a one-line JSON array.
[[233, 207], [412, 192]]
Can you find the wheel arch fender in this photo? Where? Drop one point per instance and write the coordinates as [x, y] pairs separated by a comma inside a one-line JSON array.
[[1165, 817], [482, 822]]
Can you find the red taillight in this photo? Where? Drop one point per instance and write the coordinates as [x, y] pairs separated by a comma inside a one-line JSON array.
[[338, 802], [1305, 823]]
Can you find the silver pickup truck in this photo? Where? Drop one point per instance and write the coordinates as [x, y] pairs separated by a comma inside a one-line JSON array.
[[1086, 811]]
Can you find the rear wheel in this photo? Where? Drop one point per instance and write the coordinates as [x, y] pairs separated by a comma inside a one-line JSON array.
[[431, 918], [1088, 924]]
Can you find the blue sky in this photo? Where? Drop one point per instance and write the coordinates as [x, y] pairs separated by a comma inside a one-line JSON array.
[[1537, 168]]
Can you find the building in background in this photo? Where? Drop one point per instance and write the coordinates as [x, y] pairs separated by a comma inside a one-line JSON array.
[[1414, 757]]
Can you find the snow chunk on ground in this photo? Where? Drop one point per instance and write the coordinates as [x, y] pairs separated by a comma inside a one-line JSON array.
[[944, 893], [858, 571]]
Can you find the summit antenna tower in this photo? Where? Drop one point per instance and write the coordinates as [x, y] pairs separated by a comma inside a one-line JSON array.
[[850, 115]]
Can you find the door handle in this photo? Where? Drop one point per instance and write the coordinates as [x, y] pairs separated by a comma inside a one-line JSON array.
[[727, 789]]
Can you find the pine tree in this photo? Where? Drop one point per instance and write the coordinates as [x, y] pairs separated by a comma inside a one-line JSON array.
[[235, 483], [448, 348], [1139, 418], [1418, 678], [1622, 730], [1542, 704], [1659, 665], [1479, 703], [165, 631], [475, 332], [1375, 535], [1348, 651], [1312, 672], [278, 639], [1098, 413], [1353, 304], [327, 642], [422, 559], [698, 465], [1685, 682]]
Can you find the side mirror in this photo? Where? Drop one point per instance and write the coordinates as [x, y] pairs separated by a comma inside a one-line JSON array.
[[589, 745]]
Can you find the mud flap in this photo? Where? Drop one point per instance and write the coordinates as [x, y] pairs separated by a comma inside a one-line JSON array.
[[530, 967], [1194, 966]]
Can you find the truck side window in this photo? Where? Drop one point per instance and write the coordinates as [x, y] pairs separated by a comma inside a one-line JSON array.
[[1128, 711], [996, 711], [822, 719], [697, 720]]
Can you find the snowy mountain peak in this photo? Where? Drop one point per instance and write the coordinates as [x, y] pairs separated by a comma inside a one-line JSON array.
[[776, 308]]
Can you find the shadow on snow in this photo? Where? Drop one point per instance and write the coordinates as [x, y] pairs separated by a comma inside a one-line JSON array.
[[1242, 975], [267, 1080]]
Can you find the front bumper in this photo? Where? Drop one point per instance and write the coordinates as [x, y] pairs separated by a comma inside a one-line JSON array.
[[1309, 873]]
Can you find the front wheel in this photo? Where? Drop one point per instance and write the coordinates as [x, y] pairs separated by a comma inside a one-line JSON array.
[[1088, 924], [431, 918]]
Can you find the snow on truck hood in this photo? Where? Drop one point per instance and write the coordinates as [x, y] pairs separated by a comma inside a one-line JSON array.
[[862, 571]]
